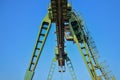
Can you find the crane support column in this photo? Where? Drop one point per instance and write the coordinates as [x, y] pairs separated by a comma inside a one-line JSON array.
[[41, 39]]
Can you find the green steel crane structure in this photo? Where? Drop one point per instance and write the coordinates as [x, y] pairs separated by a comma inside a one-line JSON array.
[[69, 26]]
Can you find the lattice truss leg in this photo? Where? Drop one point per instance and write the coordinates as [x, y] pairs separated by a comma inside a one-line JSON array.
[[87, 48], [69, 66], [42, 36]]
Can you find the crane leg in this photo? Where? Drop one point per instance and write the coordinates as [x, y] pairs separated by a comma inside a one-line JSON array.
[[71, 69], [79, 38], [40, 41], [52, 69]]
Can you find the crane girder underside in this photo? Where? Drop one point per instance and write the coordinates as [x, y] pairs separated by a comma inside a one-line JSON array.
[[59, 10], [69, 26]]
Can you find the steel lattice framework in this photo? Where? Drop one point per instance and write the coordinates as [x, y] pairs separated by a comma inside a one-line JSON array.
[[69, 26]]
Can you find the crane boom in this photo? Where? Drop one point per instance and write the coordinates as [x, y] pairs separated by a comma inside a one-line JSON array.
[[59, 9]]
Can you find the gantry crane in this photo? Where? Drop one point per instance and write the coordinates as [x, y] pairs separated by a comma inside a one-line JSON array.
[[69, 26]]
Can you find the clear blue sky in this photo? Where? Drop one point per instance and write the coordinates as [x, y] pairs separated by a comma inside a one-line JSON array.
[[19, 24]]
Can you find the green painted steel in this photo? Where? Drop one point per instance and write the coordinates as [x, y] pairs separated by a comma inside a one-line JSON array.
[[52, 69], [29, 75], [41, 39], [69, 66], [74, 31], [86, 48], [80, 47], [71, 69]]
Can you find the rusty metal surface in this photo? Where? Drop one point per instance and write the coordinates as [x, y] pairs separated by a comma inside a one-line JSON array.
[[59, 10]]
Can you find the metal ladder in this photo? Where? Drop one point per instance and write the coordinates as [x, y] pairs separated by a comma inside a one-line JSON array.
[[79, 38], [87, 48], [69, 65], [71, 69], [52, 69]]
